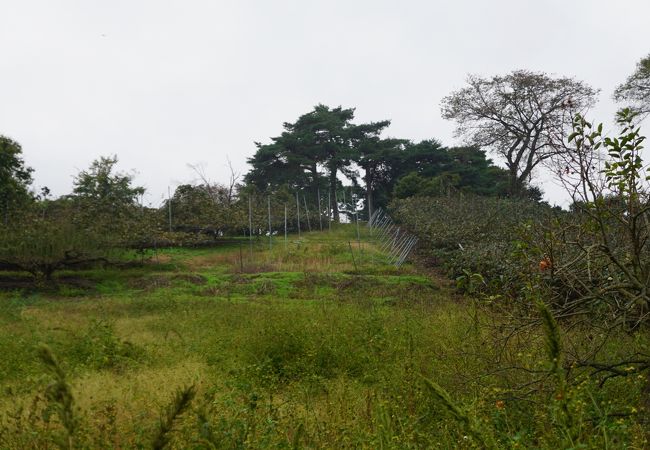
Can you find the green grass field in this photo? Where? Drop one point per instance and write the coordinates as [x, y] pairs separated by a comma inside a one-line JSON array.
[[298, 347]]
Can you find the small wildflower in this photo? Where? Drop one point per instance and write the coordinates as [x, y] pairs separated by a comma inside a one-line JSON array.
[[500, 404]]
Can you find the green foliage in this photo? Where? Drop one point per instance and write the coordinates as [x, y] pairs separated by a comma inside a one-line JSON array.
[[100, 349], [283, 351], [414, 184], [323, 138], [553, 341], [625, 172], [105, 202], [324, 142], [635, 91], [193, 206], [321, 360], [42, 246], [178, 406], [60, 399], [471, 236], [598, 252], [470, 282], [379, 159], [106, 189], [470, 423], [15, 178], [453, 170]]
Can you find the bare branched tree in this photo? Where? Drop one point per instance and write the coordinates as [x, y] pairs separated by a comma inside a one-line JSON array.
[[220, 193], [233, 180], [522, 116]]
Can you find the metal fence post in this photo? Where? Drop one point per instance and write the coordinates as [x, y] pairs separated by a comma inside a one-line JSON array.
[[298, 213], [320, 211], [270, 229], [250, 225], [306, 212]]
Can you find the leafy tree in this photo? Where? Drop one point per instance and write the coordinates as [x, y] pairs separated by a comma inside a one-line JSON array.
[[476, 173], [377, 157], [106, 200], [282, 163], [192, 206], [208, 207], [107, 188], [294, 158], [428, 168], [42, 245], [415, 184], [413, 168], [328, 133], [324, 139], [428, 158], [635, 91], [409, 186], [320, 145], [15, 177], [522, 117]]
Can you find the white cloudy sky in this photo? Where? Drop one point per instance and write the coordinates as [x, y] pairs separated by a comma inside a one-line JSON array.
[[166, 83]]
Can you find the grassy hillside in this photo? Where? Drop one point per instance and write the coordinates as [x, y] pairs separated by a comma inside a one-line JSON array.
[[297, 347]]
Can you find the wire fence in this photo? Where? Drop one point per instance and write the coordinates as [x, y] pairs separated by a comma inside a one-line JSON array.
[[394, 245], [391, 239]]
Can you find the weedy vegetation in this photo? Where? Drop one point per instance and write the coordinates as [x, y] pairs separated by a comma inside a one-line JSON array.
[[192, 351]]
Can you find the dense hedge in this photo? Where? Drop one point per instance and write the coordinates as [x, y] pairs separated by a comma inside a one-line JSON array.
[[472, 234]]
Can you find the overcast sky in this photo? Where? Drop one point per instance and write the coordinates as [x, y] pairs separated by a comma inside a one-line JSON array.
[[163, 83]]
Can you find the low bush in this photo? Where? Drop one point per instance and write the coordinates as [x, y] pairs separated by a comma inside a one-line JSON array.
[[99, 348], [303, 349]]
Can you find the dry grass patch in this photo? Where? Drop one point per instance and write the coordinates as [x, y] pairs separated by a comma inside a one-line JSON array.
[[139, 392]]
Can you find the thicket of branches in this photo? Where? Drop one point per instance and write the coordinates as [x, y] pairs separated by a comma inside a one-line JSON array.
[[589, 266]]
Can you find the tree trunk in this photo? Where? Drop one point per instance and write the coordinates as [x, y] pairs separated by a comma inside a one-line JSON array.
[[369, 196], [314, 175], [335, 208], [515, 185]]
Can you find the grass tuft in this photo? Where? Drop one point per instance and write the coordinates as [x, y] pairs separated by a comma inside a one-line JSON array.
[[170, 415], [60, 398]]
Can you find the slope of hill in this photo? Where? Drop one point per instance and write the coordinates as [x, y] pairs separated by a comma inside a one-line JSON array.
[[296, 347]]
